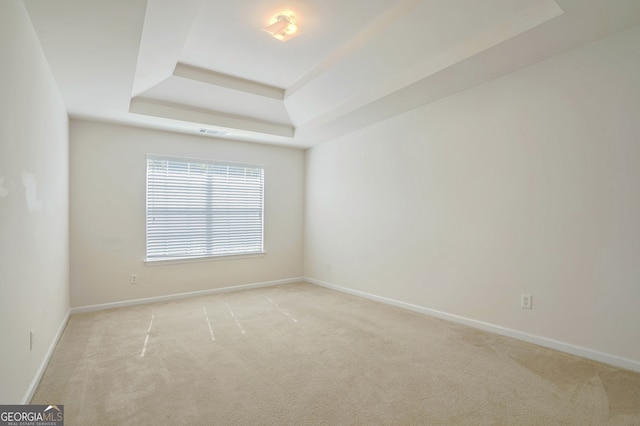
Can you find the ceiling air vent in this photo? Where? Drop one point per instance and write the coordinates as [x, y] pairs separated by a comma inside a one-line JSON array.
[[213, 132]]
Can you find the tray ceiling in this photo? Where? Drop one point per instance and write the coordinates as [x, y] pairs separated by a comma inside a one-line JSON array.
[[204, 64]]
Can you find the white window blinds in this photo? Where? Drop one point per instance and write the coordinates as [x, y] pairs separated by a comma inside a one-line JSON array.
[[200, 209]]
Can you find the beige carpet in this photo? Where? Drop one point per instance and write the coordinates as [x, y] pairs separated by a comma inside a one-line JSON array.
[[303, 355]]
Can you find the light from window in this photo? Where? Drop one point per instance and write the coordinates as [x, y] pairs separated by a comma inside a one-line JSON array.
[[198, 209]]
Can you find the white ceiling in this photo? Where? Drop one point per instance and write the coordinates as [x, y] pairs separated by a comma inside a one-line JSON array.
[[206, 64]]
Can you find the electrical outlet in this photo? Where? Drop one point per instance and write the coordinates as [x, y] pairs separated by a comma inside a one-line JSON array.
[[328, 266], [134, 279], [526, 301], [32, 336]]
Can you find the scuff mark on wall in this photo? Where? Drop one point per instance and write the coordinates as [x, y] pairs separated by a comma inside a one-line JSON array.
[[3, 191], [30, 183]]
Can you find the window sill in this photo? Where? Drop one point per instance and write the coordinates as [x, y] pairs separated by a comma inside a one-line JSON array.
[[177, 260]]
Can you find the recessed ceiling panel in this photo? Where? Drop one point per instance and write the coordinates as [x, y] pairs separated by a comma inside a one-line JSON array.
[[228, 37]]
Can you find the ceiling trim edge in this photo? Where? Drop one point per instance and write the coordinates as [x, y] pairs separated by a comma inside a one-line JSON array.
[[235, 83], [231, 122]]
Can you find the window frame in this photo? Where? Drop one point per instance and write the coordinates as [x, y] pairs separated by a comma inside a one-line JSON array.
[[154, 260]]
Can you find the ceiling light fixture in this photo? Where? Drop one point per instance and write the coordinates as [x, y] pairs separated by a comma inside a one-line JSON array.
[[283, 26]]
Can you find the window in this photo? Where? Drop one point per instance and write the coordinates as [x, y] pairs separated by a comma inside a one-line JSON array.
[[197, 208]]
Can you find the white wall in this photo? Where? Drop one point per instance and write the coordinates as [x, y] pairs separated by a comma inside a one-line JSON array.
[[527, 184], [108, 184], [34, 250]]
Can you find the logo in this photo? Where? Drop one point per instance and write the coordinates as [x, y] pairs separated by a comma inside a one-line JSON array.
[[31, 415]]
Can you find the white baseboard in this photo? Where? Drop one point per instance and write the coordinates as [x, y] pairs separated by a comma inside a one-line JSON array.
[[492, 328], [156, 299], [43, 365]]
